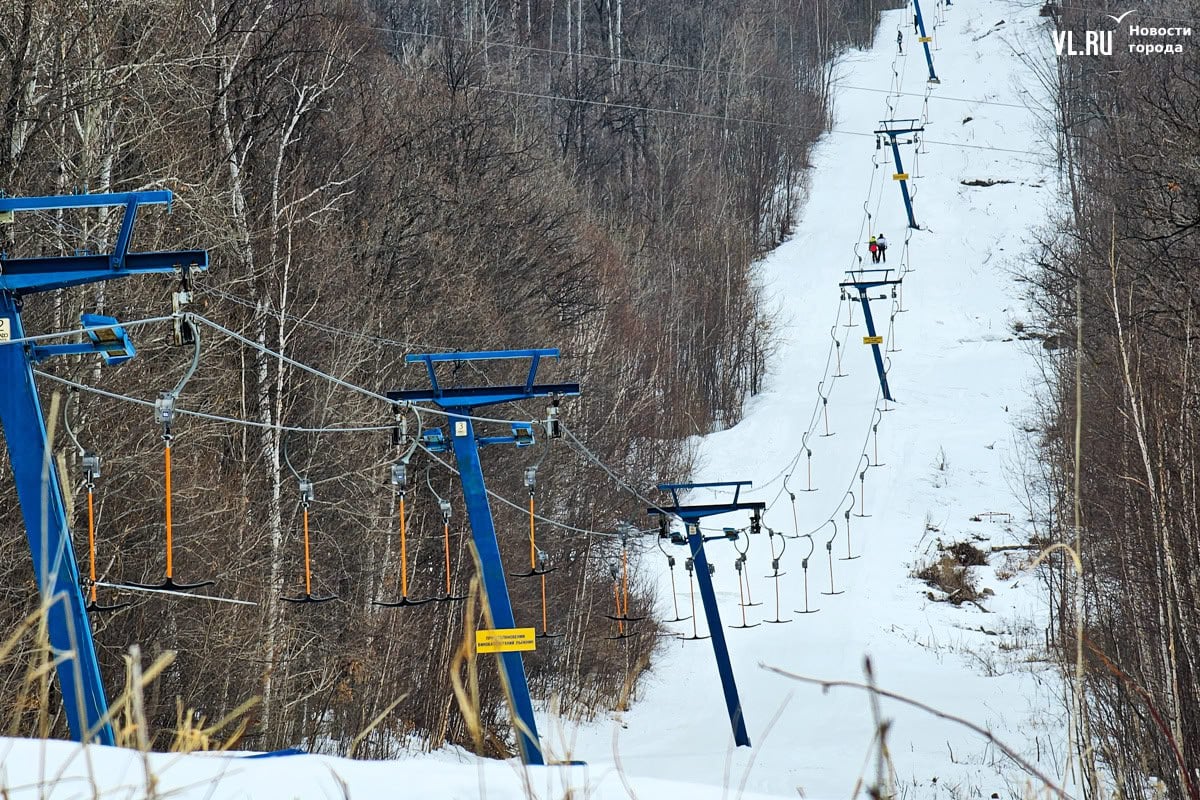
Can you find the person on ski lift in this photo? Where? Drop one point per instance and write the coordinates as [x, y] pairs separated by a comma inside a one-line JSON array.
[[873, 246], [881, 243]]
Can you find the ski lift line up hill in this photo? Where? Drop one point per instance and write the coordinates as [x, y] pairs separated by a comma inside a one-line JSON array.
[[457, 405]]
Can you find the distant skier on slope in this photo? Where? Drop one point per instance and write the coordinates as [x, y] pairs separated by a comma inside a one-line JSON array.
[[881, 243], [900, 41], [873, 246]]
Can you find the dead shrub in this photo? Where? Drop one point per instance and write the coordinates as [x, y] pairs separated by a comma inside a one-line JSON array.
[[951, 574]]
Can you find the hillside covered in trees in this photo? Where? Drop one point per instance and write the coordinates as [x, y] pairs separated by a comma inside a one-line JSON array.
[[379, 178], [1116, 282]]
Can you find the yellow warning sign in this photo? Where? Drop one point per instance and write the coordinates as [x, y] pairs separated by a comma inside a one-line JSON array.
[[872, 340], [900, 176], [505, 640], [925, 39]]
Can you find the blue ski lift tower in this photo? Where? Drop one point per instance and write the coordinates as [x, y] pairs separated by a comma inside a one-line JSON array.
[[34, 473]]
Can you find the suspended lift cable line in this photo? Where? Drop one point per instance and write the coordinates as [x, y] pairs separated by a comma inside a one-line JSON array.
[[333, 378], [668, 65], [41, 337], [834, 342], [321, 326], [294, 429], [83, 387], [502, 499], [427, 409], [717, 117]]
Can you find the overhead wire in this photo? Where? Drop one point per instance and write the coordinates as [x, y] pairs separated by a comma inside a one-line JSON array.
[[299, 429], [665, 64], [502, 499], [321, 326], [336, 380], [42, 337], [83, 387]]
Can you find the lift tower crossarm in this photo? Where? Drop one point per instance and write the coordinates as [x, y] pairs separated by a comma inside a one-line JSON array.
[[46, 273], [691, 516], [866, 279], [39, 489], [459, 403]]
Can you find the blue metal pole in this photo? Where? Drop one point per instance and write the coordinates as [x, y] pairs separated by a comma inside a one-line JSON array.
[[43, 508], [712, 615], [908, 207], [483, 531], [870, 320], [933, 78]]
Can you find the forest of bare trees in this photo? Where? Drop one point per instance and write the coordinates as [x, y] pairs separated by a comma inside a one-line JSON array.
[[1116, 284], [378, 178]]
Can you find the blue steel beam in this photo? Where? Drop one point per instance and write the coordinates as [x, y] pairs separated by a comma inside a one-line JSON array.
[[55, 202], [483, 533], [459, 403], [870, 320], [33, 275], [481, 355], [38, 489], [893, 129], [117, 258], [925, 39], [691, 516], [709, 509], [716, 629], [42, 506], [471, 397], [908, 206]]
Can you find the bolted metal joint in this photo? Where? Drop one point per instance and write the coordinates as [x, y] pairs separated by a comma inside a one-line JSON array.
[[399, 475], [164, 409], [91, 466]]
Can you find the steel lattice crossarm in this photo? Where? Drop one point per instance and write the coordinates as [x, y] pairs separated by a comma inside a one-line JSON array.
[[862, 281], [691, 515], [459, 402], [42, 503]]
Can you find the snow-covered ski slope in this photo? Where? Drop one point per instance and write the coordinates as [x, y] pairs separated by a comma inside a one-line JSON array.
[[951, 449]]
